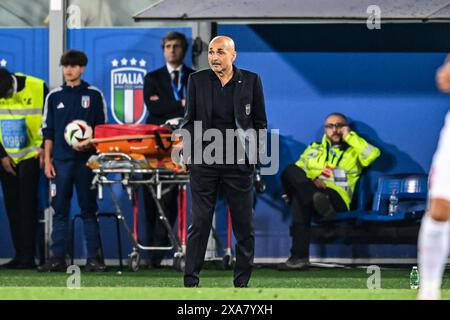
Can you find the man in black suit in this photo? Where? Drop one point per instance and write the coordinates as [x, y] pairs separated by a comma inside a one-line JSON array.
[[164, 96], [165, 88], [223, 98]]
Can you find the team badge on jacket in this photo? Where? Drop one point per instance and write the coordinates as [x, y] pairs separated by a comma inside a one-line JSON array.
[[248, 109], [85, 102]]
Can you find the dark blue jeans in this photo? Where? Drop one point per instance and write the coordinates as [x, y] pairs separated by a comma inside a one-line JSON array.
[[69, 174]]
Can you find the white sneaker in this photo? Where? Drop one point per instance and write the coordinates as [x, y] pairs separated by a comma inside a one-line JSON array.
[[429, 294]]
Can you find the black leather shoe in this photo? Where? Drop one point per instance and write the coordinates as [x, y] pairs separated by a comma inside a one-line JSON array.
[[294, 264], [53, 265], [323, 206], [94, 265], [240, 285]]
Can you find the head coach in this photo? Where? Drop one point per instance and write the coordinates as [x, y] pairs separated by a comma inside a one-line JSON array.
[[221, 99]]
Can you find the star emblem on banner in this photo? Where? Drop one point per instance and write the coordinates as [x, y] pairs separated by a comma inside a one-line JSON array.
[[125, 62], [3, 63]]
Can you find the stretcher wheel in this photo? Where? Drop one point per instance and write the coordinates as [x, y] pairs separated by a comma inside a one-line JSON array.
[[227, 261], [179, 263], [134, 261]]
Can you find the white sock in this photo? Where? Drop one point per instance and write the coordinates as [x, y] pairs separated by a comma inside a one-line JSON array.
[[433, 253]]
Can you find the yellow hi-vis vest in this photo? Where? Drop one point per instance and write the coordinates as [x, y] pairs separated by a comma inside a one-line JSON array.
[[346, 165], [21, 120]]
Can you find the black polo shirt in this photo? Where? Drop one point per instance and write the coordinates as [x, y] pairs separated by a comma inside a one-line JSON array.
[[223, 108]]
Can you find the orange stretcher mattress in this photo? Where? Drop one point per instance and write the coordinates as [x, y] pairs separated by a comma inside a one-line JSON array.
[[145, 139], [138, 161], [149, 146]]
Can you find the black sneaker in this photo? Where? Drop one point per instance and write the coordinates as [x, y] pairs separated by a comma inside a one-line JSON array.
[[12, 264], [53, 265], [94, 265], [294, 264], [323, 206]]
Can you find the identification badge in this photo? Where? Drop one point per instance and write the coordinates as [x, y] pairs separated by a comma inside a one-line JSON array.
[[340, 177], [14, 133]]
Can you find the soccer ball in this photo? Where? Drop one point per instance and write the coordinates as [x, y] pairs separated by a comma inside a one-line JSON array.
[[77, 132]]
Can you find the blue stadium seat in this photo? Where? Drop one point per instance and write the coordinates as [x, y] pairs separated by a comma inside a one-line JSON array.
[[411, 189]]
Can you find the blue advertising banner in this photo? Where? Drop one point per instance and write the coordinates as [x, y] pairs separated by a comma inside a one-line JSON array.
[[118, 62], [25, 50]]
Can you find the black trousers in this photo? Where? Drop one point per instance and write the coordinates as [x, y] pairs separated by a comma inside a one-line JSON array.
[[157, 234], [21, 201], [300, 189], [237, 187]]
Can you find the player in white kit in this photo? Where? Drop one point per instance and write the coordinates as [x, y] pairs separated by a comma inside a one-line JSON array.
[[434, 235]]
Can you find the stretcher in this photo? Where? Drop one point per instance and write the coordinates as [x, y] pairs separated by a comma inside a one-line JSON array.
[[136, 160], [158, 181], [119, 163]]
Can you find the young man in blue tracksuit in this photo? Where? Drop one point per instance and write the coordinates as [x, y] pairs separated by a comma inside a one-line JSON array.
[[74, 100]]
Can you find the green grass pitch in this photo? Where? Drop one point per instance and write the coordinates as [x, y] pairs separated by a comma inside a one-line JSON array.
[[323, 283]]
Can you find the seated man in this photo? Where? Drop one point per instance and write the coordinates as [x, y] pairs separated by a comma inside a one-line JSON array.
[[322, 182]]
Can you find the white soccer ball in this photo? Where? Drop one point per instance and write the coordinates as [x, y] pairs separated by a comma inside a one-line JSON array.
[[77, 132]]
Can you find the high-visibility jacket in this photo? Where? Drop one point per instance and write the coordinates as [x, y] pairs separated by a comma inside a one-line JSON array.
[[338, 168], [21, 120]]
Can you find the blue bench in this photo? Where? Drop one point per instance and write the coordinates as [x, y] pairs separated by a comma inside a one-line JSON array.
[[412, 193], [411, 190]]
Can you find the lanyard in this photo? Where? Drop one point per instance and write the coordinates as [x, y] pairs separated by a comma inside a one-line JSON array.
[[329, 149], [178, 88]]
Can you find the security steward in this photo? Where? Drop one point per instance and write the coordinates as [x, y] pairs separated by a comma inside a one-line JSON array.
[[21, 103], [322, 182]]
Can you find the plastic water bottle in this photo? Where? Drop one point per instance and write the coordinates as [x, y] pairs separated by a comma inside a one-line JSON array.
[[393, 203], [414, 280]]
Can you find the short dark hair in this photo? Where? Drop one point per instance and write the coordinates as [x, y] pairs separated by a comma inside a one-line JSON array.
[[338, 114], [6, 82], [174, 35], [74, 58]]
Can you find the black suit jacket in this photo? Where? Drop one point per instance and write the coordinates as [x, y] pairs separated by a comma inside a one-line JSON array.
[[248, 98], [158, 83]]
